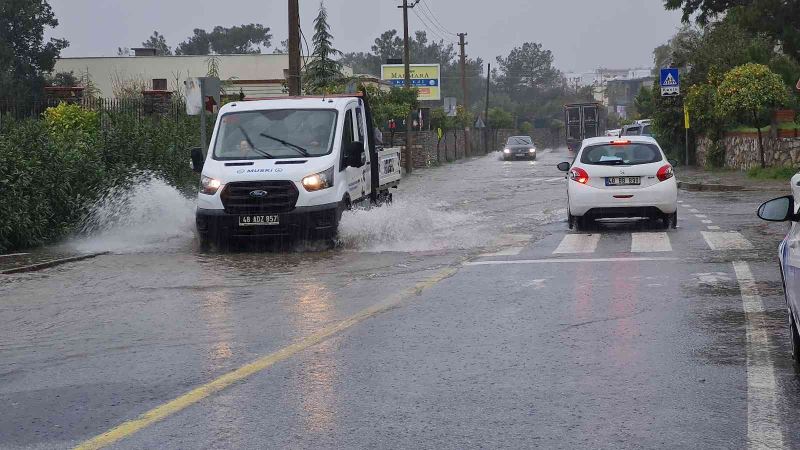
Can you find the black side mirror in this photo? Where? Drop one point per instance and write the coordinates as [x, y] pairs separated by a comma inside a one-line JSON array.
[[197, 159], [673, 162], [355, 155], [564, 166], [778, 210]]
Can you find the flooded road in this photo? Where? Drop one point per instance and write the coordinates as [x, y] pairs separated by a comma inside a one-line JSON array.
[[463, 315]]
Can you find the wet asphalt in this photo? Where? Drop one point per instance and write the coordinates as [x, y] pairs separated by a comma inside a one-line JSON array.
[[518, 347]]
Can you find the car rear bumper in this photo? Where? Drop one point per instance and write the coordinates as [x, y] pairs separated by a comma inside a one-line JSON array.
[[661, 197], [321, 220]]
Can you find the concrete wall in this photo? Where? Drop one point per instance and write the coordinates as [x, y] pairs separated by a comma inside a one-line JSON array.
[[453, 145], [741, 151], [258, 75]]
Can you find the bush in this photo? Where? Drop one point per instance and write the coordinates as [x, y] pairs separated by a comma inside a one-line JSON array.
[[54, 169], [772, 173]]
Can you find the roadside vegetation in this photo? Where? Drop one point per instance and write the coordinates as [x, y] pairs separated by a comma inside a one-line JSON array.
[[54, 169], [737, 69]]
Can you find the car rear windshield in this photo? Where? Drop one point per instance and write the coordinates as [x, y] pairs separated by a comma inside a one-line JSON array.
[[621, 154], [519, 140]]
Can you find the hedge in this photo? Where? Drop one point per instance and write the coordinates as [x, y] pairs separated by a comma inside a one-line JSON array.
[[53, 170]]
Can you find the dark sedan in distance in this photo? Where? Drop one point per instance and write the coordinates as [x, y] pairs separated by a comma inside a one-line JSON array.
[[519, 147]]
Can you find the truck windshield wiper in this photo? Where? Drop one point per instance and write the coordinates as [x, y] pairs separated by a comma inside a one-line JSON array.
[[253, 146], [299, 149]]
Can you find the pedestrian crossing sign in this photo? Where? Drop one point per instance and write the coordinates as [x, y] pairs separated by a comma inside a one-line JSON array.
[[670, 82]]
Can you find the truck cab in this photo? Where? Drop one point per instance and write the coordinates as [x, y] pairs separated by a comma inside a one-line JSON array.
[[289, 167]]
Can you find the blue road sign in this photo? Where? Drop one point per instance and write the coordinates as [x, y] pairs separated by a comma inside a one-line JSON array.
[[670, 82]]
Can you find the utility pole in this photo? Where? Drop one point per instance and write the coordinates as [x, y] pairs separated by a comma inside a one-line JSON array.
[[294, 48], [488, 80], [462, 43], [407, 62]]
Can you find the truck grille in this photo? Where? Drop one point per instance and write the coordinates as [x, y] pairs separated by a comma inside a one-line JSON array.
[[281, 197]]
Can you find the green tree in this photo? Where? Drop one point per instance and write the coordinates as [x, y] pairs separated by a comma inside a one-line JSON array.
[[500, 119], [24, 55], [527, 71], [323, 72], [158, 42], [776, 18], [236, 40], [644, 104], [748, 92], [393, 104]]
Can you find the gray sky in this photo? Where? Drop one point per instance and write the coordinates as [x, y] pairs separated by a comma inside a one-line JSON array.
[[583, 34]]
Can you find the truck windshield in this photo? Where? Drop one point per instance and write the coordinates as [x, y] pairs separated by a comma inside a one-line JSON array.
[[285, 133], [615, 154]]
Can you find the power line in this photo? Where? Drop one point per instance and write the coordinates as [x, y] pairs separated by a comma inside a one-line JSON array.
[[425, 24], [436, 20]]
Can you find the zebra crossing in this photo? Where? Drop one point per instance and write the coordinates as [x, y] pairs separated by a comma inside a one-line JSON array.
[[634, 243], [648, 242]]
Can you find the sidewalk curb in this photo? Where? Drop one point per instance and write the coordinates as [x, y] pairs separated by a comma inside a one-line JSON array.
[[700, 187], [49, 264]]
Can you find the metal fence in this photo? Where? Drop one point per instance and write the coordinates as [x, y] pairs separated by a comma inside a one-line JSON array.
[[138, 107]]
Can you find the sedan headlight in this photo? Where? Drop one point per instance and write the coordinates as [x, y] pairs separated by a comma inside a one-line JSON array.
[[318, 181], [507, 151], [209, 186]]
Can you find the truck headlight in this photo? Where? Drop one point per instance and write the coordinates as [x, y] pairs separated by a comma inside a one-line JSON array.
[[506, 150], [533, 150], [209, 186], [318, 181]]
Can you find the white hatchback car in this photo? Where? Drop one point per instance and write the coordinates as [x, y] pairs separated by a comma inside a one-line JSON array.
[[621, 177]]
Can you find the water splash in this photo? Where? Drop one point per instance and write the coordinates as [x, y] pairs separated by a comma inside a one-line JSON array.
[[410, 225], [143, 214]]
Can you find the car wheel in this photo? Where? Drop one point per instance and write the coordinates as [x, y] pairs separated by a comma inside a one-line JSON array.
[[794, 338], [570, 221], [670, 220], [582, 223]]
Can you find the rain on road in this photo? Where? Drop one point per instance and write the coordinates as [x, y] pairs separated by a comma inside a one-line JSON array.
[[464, 315]]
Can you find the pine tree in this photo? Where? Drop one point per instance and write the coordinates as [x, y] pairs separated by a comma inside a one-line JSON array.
[[322, 72]]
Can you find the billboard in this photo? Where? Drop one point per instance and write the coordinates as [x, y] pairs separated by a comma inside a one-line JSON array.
[[425, 77]]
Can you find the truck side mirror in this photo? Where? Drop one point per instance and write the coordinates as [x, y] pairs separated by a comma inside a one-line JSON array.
[[355, 155], [197, 159]]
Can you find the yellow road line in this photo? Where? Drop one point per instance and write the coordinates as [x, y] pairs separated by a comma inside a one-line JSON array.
[[195, 395]]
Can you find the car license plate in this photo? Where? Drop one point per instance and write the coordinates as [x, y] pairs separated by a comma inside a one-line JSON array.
[[623, 181], [255, 221]]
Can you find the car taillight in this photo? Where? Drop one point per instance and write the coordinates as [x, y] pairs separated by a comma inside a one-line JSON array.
[[578, 175], [665, 173]]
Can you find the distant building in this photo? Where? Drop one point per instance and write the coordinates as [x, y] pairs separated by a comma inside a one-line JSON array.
[[254, 75], [615, 88]]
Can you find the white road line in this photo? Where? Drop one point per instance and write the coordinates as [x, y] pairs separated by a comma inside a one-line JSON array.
[[550, 180], [578, 243], [565, 260], [650, 243], [707, 221], [763, 419], [507, 252], [726, 241], [14, 254], [687, 206], [694, 211], [701, 216], [713, 227]]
